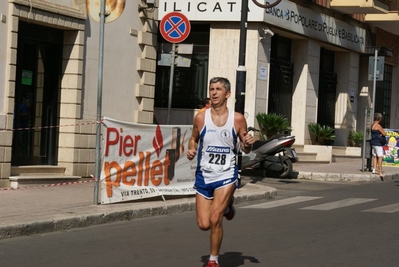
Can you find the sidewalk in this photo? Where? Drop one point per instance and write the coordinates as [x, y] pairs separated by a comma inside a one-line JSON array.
[[349, 171], [45, 209]]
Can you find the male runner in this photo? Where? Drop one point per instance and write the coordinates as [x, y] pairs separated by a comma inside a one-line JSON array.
[[216, 134]]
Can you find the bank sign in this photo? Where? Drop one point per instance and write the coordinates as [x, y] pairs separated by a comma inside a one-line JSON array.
[[286, 15], [304, 21]]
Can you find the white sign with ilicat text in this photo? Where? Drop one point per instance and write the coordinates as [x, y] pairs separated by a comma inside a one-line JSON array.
[[200, 10]]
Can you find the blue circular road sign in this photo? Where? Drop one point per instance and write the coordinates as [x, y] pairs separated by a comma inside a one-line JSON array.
[[175, 27]]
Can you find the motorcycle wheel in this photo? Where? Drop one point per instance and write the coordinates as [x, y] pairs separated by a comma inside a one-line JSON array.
[[287, 169], [285, 173]]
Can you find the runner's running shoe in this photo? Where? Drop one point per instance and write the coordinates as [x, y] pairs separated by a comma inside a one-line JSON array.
[[212, 264]]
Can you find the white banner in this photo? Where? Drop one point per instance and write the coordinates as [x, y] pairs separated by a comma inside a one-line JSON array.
[[141, 161]]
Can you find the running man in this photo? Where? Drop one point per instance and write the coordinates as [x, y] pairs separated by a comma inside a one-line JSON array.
[[216, 134]]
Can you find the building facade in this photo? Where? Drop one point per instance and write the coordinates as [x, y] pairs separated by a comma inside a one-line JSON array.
[[307, 60], [49, 69], [314, 68]]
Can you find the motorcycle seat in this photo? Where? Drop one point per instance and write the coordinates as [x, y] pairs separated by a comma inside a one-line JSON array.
[[258, 143]]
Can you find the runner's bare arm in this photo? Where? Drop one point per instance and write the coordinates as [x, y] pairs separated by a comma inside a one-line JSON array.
[[193, 141], [246, 139]]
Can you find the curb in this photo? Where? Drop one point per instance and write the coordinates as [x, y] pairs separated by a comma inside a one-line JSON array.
[[89, 220], [118, 214], [345, 177]]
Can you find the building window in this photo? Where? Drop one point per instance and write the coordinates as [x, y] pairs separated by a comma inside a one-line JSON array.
[[189, 83], [383, 96], [327, 93]]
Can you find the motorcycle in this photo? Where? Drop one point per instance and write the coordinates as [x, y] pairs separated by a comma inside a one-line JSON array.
[[274, 156]]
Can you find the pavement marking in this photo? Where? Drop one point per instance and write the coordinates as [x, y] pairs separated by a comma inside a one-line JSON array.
[[281, 202], [385, 209], [339, 204]]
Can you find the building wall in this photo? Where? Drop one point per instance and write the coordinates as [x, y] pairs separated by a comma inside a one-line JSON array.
[[306, 58], [5, 147], [223, 60], [389, 40], [128, 45], [70, 18], [263, 79], [128, 74], [364, 96], [347, 68], [223, 53], [3, 58]]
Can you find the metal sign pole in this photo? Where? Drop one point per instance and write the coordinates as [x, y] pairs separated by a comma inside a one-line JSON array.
[[364, 139], [374, 86], [241, 70], [172, 74], [99, 103]]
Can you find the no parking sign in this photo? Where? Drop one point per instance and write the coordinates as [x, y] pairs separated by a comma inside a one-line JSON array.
[[175, 27]]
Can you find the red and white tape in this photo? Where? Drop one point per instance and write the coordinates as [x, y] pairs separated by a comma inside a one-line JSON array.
[[57, 126], [57, 184], [48, 185]]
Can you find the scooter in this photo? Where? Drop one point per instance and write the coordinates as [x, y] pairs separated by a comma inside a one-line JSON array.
[[274, 156]]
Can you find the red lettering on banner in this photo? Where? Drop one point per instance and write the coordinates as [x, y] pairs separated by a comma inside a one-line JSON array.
[[127, 145], [144, 173], [156, 170], [129, 169]]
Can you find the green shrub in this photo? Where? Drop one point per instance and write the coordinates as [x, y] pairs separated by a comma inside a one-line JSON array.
[[321, 133], [356, 138], [272, 123]]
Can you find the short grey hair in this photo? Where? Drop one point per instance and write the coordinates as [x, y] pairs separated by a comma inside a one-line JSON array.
[[377, 116], [224, 81]]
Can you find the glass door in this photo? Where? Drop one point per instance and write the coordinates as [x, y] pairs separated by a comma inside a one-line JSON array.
[[36, 96]]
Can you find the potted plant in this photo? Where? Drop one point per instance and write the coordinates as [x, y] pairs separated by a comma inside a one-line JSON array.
[[272, 123], [355, 138], [322, 133]]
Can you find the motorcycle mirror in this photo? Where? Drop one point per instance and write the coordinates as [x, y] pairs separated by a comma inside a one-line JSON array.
[[246, 115]]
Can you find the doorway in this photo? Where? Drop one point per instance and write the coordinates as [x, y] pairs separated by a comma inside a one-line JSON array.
[[37, 87], [281, 77], [327, 89]]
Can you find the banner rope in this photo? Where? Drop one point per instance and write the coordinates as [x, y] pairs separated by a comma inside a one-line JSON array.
[[46, 185], [56, 126]]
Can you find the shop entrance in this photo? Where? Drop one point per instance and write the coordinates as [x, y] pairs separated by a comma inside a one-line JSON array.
[[37, 88], [327, 89], [281, 77]]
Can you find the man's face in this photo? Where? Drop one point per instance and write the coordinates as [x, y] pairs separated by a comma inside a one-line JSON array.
[[218, 93]]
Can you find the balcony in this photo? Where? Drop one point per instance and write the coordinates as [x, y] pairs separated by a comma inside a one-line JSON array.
[[388, 22], [359, 6]]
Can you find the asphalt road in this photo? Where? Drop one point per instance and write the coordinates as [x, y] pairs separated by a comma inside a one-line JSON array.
[[308, 224]]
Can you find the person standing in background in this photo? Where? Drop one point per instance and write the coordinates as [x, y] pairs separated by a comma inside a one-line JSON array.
[[206, 104], [377, 134]]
